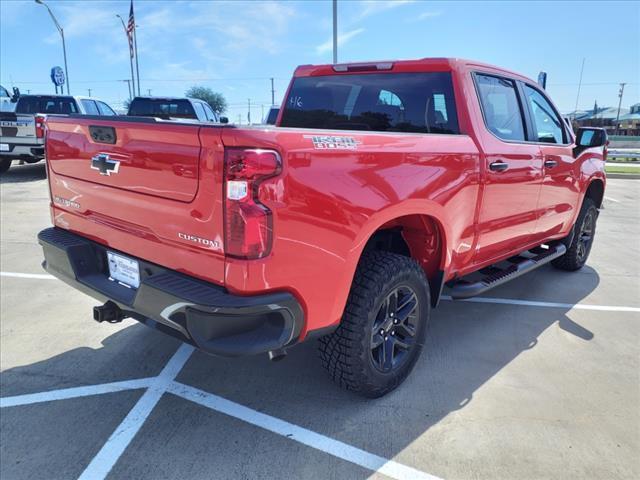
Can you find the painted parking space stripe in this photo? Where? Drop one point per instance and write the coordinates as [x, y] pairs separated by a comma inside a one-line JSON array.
[[302, 435], [75, 392], [38, 276], [532, 303], [119, 440], [501, 301]]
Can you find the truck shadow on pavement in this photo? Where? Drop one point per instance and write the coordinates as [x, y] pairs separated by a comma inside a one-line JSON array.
[[24, 173], [468, 344]]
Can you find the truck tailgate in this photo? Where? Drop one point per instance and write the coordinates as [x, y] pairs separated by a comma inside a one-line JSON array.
[[16, 126], [156, 193]]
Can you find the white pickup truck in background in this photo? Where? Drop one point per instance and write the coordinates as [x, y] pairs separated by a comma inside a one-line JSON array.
[[22, 131]]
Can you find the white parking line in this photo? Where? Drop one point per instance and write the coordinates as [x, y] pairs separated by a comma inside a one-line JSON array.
[[103, 462], [503, 301], [302, 435], [39, 276], [119, 440], [611, 199], [74, 392], [531, 303]]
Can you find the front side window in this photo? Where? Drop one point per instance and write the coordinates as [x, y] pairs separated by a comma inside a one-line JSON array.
[[90, 107], [211, 116], [389, 102], [547, 124], [105, 109], [500, 107]]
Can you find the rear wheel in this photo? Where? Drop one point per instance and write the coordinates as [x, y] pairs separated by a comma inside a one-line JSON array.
[[580, 247], [383, 328], [4, 165]]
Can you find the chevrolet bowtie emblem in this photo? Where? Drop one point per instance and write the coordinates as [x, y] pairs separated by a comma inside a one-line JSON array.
[[104, 164]]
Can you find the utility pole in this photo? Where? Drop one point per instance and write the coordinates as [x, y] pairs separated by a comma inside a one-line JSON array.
[[273, 94], [64, 47], [128, 81], [262, 111], [248, 111], [579, 85], [239, 119], [335, 31], [89, 90], [149, 91], [619, 105]]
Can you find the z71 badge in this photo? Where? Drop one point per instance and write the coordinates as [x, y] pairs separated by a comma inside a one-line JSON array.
[[331, 142]]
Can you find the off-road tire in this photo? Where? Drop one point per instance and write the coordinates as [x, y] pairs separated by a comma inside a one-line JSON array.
[[347, 352], [5, 164], [578, 252]]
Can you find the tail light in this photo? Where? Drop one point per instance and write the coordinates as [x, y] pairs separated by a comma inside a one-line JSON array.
[[248, 223], [39, 119]]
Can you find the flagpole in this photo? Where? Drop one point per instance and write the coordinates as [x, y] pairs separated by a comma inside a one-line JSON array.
[[130, 61], [135, 43]]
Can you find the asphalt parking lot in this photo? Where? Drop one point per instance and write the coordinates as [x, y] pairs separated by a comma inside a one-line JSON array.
[[539, 379]]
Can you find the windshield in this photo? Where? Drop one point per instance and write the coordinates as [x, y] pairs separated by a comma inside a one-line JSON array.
[[45, 104], [162, 108], [392, 102]]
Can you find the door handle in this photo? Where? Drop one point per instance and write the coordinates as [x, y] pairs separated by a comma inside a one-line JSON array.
[[498, 166], [550, 163]]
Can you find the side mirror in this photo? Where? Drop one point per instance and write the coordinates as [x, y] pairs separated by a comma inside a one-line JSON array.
[[16, 95], [591, 137], [224, 119]]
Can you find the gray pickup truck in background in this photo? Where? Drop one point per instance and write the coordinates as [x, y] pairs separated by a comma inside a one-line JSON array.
[[22, 131]]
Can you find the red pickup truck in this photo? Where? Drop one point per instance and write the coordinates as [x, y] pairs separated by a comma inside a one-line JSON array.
[[380, 184]]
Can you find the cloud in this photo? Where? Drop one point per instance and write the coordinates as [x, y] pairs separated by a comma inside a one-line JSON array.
[[424, 16], [373, 7], [343, 39]]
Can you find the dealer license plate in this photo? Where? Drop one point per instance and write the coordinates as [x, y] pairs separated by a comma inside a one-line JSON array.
[[124, 270]]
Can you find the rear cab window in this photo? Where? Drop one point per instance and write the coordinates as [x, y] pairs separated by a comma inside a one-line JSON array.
[[389, 102], [46, 104], [162, 108]]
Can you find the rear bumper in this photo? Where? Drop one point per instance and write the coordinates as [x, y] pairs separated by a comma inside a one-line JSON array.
[[16, 151], [197, 312]]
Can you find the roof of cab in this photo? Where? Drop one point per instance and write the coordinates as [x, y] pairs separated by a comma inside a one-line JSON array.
[[419, 65]]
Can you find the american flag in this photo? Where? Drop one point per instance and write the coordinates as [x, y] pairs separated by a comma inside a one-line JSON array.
[[131, 27]]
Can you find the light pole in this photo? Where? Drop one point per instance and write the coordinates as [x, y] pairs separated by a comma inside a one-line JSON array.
[[64, 47], [335, 31], [130, 57]]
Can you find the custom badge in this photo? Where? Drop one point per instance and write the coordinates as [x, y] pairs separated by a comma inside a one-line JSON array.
[[331, 142]]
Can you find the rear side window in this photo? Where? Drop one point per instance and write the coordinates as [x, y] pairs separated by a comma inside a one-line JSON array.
[[547, 123], [60, 105], [500, 107], [162, 108], [392, 102], [90, 107]]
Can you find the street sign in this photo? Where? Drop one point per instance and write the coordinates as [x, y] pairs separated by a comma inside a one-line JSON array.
[[57, 76]]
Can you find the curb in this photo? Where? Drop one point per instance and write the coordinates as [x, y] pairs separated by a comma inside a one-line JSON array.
[[626, 176]]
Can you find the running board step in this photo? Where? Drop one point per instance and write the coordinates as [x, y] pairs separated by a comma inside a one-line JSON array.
[[462, 289]]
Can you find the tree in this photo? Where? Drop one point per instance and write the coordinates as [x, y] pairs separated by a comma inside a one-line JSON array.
[[215, 100]]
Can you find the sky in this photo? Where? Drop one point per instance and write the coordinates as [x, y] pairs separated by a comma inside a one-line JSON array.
[[235, 47]]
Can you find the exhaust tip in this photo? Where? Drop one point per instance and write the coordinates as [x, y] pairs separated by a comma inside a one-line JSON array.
[[277, 355]]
